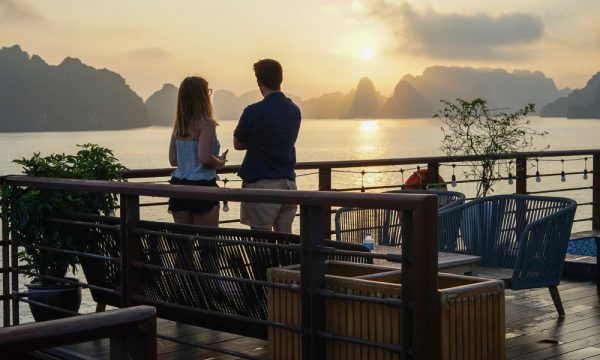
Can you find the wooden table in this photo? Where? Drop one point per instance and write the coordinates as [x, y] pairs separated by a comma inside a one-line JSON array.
[[447, 262]]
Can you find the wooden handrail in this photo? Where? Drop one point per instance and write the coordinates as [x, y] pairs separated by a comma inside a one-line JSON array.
[[136, 326], [310, 198]]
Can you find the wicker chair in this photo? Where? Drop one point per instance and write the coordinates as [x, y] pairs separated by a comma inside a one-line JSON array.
[[526, 235], [352, 224]]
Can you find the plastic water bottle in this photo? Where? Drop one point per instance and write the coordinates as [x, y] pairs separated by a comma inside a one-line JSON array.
[[368, 241]]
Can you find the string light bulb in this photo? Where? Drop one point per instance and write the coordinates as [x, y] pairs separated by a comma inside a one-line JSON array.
[[510, 178], [563, 178], [453, 176], [538, 178], [402, 175], [225, 202], [585, 170], [362, 181]]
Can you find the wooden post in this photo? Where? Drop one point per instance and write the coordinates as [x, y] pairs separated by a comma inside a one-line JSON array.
[[596, 193], [433, 173], [521, 183], [137, 346], [14, 281], [130, 247], [419, 274], [325, 185], [5, 264], [312, 277]]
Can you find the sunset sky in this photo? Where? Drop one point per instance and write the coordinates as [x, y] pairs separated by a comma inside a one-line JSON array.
[[324, 46]]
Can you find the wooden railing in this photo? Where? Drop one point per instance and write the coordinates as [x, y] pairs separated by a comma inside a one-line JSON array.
[[419, 302], [419, 282], [524, 167], [132, 334]]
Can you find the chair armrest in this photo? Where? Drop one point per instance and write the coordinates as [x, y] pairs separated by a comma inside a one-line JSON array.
[[542, 250]]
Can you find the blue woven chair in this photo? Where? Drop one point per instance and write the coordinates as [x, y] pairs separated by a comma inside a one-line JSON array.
[[352, 224], [527, 235]]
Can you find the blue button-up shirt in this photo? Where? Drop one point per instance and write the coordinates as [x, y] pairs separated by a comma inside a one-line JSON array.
[[269, 129]]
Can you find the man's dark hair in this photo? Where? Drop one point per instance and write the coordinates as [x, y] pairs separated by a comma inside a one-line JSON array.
[[269, 73]]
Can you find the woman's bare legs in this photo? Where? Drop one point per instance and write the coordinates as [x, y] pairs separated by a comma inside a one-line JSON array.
[[209, 218], [182, 217]]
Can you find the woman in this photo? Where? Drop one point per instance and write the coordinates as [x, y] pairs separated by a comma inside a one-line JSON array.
[[194, 149]]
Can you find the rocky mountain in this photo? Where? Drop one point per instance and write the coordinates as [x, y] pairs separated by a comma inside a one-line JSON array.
[[35, 96], [365, 101], [161, 105], [228, 106], [581, 103], [500, 88], [334, 105], [406, 102]]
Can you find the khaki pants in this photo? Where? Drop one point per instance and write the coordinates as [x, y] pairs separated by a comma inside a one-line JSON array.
[[267, 216]]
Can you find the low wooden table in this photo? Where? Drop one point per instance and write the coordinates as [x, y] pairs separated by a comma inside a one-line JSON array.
[[447, 262]]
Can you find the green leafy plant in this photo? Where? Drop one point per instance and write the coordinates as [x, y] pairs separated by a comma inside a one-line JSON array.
[[471, 128], [31, 207]]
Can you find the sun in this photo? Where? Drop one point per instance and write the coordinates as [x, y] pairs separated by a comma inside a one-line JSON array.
[[367, 54]]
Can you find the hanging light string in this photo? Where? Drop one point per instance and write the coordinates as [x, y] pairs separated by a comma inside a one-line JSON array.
[[373, 172], [307, 174], [453, 182]]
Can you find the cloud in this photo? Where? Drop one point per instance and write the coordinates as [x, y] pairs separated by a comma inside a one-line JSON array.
[[149, 53], [458, 36], [18, 10]]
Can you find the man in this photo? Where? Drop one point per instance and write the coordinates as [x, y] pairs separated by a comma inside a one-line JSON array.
[[268, 131]]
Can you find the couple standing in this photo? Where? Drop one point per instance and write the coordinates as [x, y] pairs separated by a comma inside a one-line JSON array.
[[267, 131]]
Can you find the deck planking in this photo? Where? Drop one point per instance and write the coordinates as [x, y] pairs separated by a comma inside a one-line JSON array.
[[533, 330]]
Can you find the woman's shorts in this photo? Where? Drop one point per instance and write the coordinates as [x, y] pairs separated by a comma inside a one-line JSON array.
[[193, 206]]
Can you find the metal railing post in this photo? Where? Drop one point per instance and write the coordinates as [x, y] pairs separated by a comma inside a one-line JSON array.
[[433, 172], [521, 181], [130, 247], [596, 193], [312, 277], [325, 185]]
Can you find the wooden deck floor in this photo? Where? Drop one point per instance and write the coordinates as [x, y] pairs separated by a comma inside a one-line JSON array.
[[533, 330]]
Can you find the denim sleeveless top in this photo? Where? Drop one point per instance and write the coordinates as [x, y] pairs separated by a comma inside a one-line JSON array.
[[188, 165]]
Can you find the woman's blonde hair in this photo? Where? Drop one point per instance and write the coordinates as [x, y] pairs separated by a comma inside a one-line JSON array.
[[193, 106]]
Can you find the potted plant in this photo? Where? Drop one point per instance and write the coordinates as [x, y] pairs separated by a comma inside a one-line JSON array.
[[31, 207]]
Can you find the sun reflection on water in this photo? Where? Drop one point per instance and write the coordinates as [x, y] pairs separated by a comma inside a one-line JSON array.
[[369, 140], [369, 126]]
